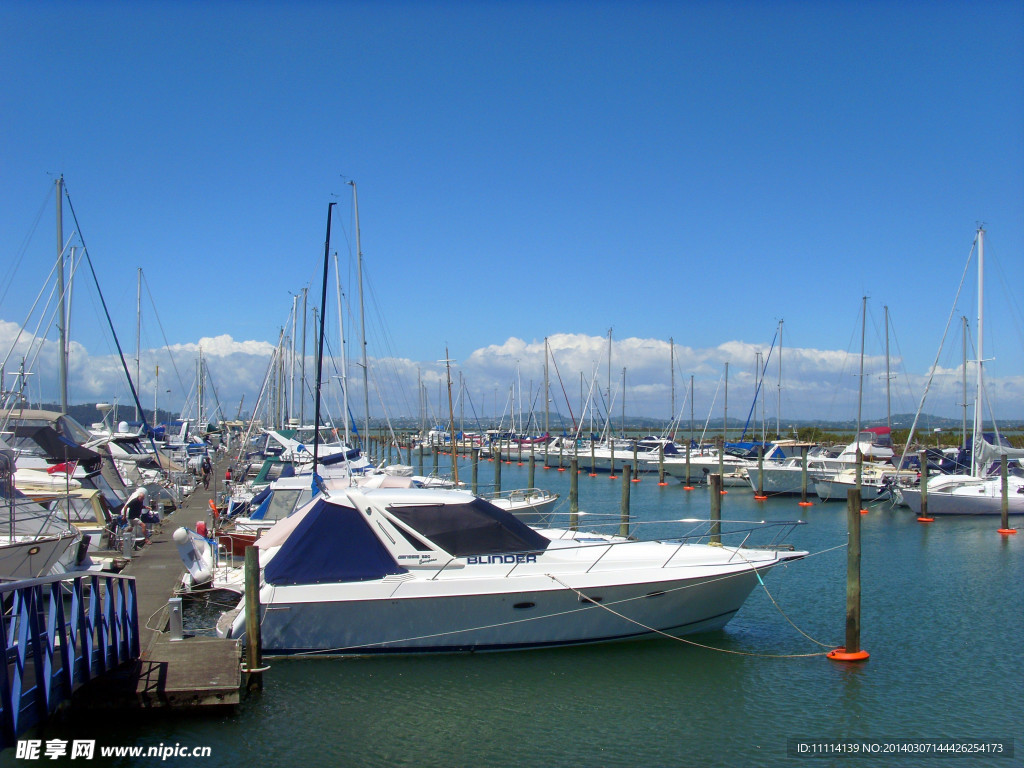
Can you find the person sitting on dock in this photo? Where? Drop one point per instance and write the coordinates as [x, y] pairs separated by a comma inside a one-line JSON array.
[[132, 513]]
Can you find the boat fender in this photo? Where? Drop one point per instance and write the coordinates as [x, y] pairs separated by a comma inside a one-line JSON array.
[[201, 528], [213, 510], [196, 554], [83, 550]]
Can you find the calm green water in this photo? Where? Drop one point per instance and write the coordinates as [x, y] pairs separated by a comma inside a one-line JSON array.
[[943, 619]]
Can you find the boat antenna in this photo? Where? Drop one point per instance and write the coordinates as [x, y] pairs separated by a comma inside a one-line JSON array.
[[320, 346]]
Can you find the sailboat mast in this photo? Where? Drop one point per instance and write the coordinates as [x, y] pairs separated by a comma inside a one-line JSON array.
[[320, 343], [778, 411], [860, 386], [362, 323], [978, 414], [61, 319], [138, 333], [963, 432], [451, 417], [547, 396], [344, 353], [672, 369], [888, 378], [302, 360]]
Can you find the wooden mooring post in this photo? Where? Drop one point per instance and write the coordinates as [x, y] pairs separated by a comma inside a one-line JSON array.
[[923, 515], [253, 640], [1004, 527], [474, 471], [852, 650], [574, 494], [624, 510], [496, 449], [715, 483], [803, 478]]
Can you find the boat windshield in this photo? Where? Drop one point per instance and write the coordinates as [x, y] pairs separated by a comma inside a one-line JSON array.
[[474, 528]]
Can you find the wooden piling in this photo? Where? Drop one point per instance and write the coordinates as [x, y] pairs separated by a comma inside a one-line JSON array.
[[497, 467], [253, 639], [760, 474], [661, 464], [1004, 527], [803, 478], [923, 515], [624, 509], [474, 471], [852, 650], [715, 481], [531, 469], [636, 464], [574, 494]]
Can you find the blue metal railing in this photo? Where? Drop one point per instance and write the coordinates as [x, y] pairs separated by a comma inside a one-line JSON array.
[[58, 633]]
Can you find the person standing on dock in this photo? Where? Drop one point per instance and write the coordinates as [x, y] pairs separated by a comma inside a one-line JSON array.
[[133, 511]]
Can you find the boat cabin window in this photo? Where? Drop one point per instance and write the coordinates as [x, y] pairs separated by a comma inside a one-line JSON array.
[[285, 501], [474, 528]]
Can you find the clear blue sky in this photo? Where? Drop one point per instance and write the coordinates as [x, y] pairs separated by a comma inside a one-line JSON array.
[[689, 170]]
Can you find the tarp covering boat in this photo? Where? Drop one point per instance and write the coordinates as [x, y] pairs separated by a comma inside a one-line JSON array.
[[332, 543], [473, 528]]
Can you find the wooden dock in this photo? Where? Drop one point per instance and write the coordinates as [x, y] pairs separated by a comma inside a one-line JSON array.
[[196, 671]]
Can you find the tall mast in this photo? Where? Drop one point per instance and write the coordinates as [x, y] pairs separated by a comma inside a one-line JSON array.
[[778, 410], [691, 413], [451, 417], [138, 334], [291, 363], [320, 342], [860, 387], [963, 433], [302, 365], [888, 378], [344, 354], [547, 397], [978, 415], [362, 324], [62, 332], [672, 368]]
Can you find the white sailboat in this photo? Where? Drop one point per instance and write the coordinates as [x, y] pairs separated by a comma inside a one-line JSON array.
[[980, 492]]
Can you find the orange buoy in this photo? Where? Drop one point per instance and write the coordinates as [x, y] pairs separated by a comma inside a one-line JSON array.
[[1007, 531], [687, 487], [805, 503], [759, 498], [863, 511], [840, 654], [926, 519], [662, 483]]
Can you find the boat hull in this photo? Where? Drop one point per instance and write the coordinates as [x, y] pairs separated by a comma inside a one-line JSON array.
[[940, 503], [515, 620]]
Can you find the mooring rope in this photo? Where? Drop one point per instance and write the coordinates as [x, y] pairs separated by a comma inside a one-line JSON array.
[[713, 648]]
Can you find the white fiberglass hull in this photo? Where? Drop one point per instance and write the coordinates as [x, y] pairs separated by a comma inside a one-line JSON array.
[[980, 497], [415, 614]]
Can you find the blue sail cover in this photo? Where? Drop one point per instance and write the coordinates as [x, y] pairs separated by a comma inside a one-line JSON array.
[[332, 544]]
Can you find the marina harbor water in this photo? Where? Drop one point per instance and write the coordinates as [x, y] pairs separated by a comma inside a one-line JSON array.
[[942, 608]]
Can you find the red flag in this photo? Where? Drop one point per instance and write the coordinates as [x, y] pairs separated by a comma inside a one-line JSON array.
[[67, 467]]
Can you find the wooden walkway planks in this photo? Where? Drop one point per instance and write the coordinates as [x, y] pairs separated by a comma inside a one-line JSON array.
[[196, 671]]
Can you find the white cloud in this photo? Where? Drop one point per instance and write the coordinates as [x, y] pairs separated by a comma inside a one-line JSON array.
[[816, 383]]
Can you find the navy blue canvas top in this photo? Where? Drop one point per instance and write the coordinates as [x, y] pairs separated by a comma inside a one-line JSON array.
[[336, 458], [474, 528], [332, 544]]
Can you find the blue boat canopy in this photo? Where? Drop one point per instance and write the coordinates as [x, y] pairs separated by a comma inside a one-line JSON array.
[[331, 544], [474, 528]]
